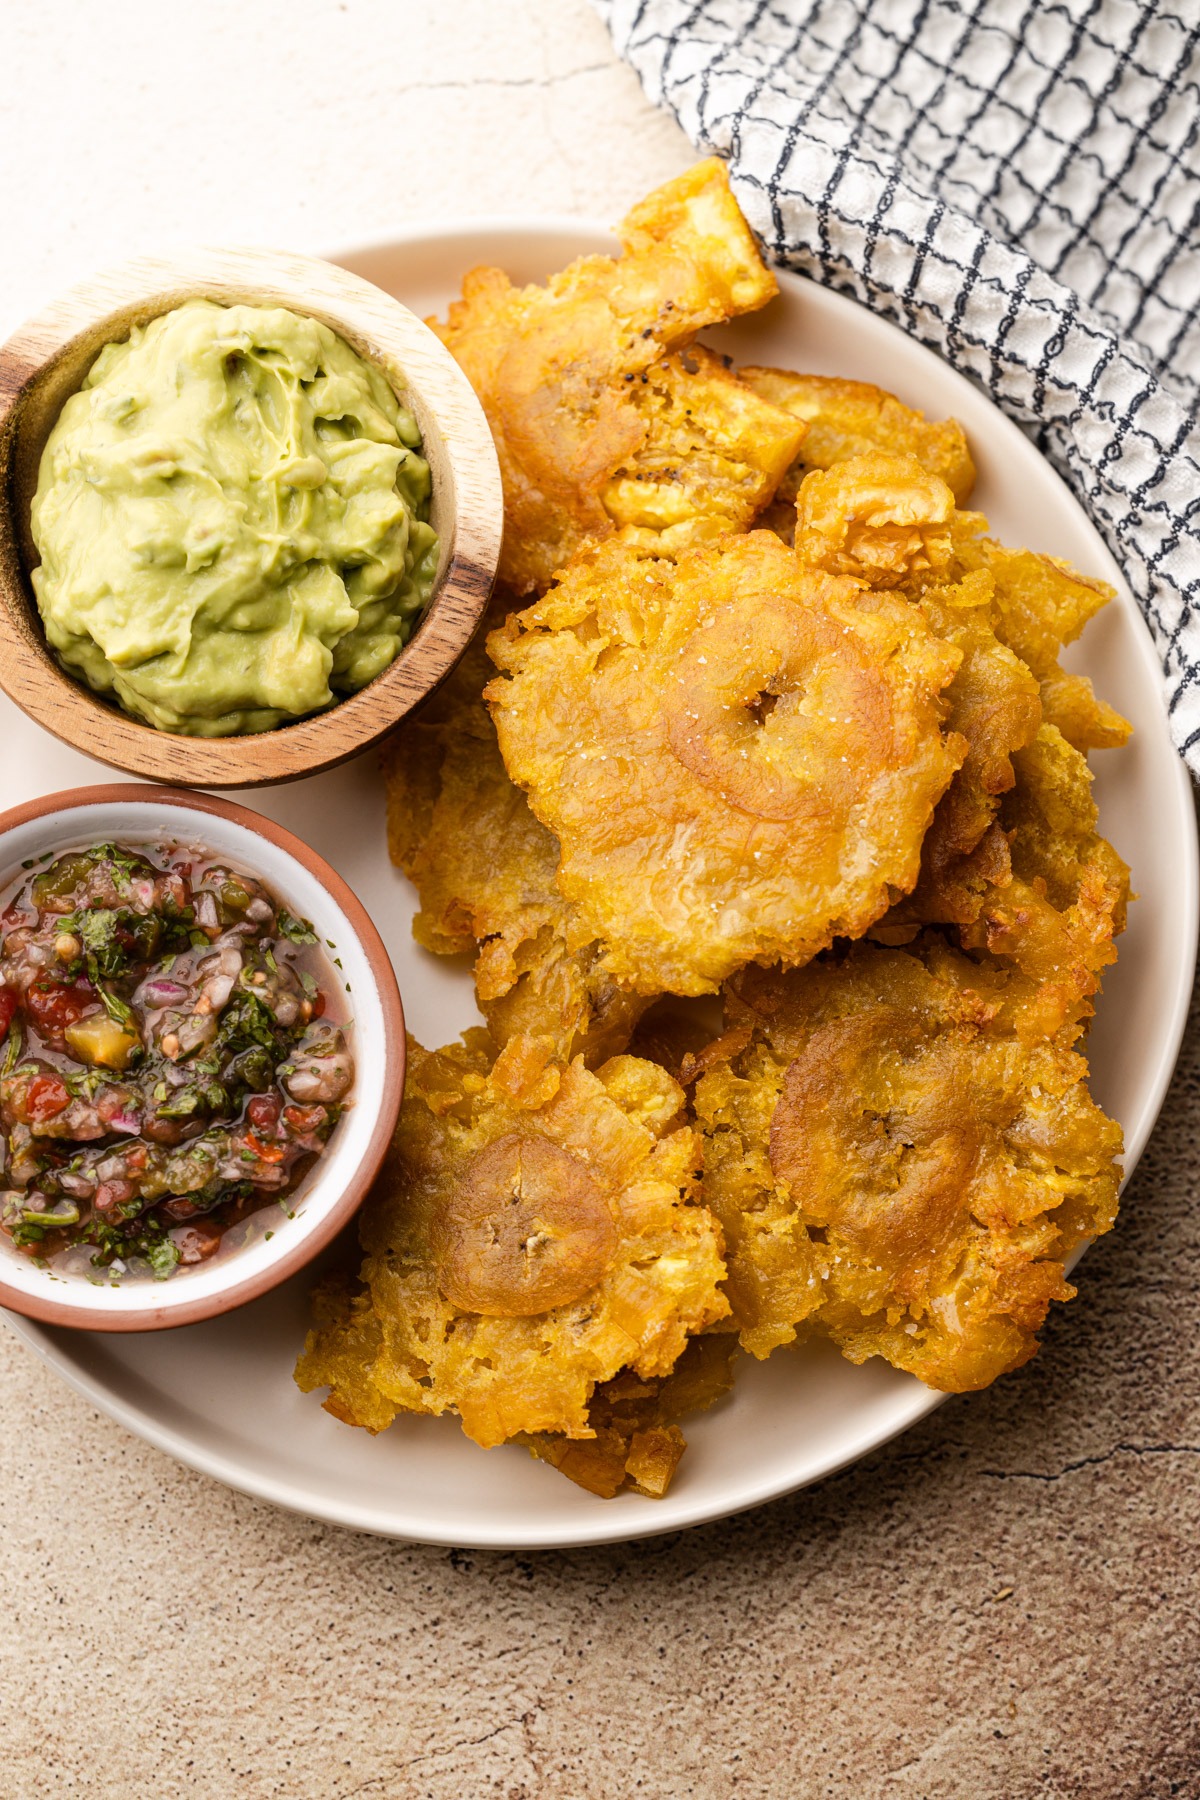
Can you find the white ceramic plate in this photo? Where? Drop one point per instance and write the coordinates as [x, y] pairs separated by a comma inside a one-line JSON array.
[[220, 1397]]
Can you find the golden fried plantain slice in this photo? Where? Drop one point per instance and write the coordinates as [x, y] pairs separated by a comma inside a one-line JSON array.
[[711, 456], [885, 520], [462, 833], [595, 423], [874, 517], [484, 870], [995, 705], [638, 1443], [893, 1166], [882, 519], [1043, 604], [561, 993], [1053, 921], [775, 1265], [533, 1235], [852, 418], [341, 1351], [738, 755], [1088, 723]]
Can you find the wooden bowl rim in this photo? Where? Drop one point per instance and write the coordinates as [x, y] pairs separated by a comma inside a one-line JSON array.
[[85, 1317], [103, 309]]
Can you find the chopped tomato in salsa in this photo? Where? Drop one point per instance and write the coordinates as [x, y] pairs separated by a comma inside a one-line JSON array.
[[53, 1005]]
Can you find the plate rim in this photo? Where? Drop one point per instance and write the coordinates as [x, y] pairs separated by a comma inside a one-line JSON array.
[[586, 1530]]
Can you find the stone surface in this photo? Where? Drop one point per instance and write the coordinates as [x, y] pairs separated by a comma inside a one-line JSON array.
[[1001, 1604]]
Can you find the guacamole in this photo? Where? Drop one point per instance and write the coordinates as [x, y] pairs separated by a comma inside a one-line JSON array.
[[231, 516]]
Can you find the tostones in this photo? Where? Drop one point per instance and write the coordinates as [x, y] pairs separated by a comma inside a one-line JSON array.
[[638, 1443], [1009, 613], [711, 456], [534, 1233], [602, 415], [844, 419], [882, 519], [887, 521], [738, 755], [484, 870], [1053, 919], [895, 1167], [995, 705], [1042, 604]]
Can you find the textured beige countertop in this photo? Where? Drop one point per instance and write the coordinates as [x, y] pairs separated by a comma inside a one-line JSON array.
[[1001, 1604]]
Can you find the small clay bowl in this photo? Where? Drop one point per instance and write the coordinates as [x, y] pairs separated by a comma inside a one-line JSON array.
[[45, 362], [337, 1184]]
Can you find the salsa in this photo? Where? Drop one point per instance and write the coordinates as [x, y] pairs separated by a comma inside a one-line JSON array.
[[174, 1055]]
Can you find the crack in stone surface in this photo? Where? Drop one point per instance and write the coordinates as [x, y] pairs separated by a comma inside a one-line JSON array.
[[501, 81], [1092, 1462]]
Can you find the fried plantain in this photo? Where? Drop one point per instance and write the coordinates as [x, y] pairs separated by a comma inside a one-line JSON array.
[[343, 1345], [596, 422], [711, 456], [463, 834], [484, 870], [845, 419], [1043, 604], [995, 705], [638, 1443], [533, 1234], [885, 520], [895, 1167], [882, 519], [738, 755], [1054, 920], [1088, 723]]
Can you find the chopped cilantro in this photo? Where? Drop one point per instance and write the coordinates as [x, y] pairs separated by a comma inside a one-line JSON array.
[[187, 1101], [163, 1257], [297, 931], [118, 1012]]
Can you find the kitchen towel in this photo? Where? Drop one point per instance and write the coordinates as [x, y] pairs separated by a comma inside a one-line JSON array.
[[1014, 182]]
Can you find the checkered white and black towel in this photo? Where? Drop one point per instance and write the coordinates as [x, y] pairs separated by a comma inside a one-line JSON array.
[[1017, 184]]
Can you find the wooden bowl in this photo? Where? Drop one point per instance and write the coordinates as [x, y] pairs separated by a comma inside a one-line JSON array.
[[45, 362]]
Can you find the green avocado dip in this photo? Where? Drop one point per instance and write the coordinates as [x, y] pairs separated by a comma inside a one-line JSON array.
[[231, 516]]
